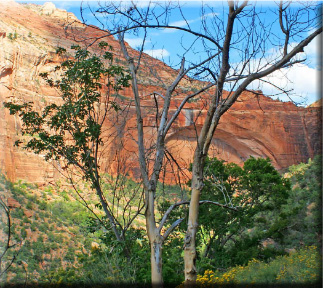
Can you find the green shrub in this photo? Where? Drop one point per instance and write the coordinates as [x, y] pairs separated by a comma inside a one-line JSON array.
[[51, 237], [69, 211], [42, 205], [17, 213], [33, 226], [70, 255], [64, 194], [23, 233], [29, 205], [13, 36], [43, 227], [26, 220], [303, 266]]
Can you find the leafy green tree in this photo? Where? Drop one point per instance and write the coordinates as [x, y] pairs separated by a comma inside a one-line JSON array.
[[71, 132], [253, 197], [230, 237], [303, 210]]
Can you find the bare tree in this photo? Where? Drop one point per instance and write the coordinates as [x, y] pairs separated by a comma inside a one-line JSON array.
[[235, 47]]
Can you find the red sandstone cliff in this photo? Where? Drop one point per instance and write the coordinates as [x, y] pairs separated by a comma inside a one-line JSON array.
[[257, 126]]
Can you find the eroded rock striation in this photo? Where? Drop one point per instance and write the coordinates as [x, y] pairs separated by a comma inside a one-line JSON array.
[[255, 126]]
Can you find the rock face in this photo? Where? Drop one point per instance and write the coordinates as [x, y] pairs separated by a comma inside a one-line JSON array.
[[254, 126]]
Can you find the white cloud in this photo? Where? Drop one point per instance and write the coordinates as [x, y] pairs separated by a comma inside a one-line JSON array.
[[301, 78], [169, 30], [181, 23], [136, 42], [66, 5], [157, 53], [312, 47], [311, 52], [212, 14], [141, 3]]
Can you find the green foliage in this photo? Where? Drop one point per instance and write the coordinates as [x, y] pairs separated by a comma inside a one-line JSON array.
[[302, 266], [13, 36], [272, 218], [70, 255], [23, 233], [302, 212], [137, 250], [72, 131], [42, 205], [33, 226], [80, 85], [26, 220], [257, 190], [43, 227], [17, 213], [173, 261], [70, 212], [268, 211], [97, 269], [29, 205], [192, 100]]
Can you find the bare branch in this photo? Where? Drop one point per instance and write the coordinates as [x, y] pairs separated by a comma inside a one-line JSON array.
[[173, 206], [143, 166], [285, 60], [179, 109], [172, 227]]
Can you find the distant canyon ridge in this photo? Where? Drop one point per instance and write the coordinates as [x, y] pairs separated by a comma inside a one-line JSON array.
[[255, 126]]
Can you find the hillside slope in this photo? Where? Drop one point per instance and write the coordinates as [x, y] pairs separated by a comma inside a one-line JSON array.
[[255, 126]]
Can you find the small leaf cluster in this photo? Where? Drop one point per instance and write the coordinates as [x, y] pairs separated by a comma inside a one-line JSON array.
[[13, 36]]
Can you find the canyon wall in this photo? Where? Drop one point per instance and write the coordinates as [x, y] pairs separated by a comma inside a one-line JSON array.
[[255, 126]]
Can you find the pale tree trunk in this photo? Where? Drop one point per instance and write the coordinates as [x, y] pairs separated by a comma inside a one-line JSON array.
[[156, 262], [192, 226], [155, 241], [190, 239], [154, 234], [201, 151]]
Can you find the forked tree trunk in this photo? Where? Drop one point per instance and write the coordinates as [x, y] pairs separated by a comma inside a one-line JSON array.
[[155, 240]]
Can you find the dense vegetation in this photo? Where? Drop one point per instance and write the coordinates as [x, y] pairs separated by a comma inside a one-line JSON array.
[[302, 266], [273, 238]]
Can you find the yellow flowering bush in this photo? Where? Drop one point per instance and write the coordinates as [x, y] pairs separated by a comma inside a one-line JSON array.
[[303, 266]]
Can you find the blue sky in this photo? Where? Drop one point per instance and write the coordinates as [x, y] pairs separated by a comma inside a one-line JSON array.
[[165, 45]]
